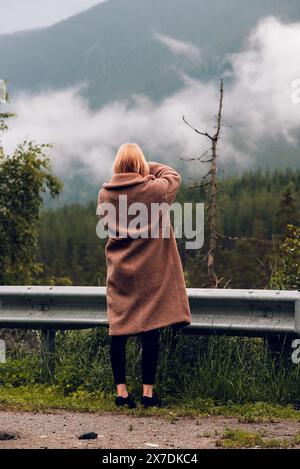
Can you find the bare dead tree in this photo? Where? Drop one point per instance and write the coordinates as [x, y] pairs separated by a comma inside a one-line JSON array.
[[210, 180]]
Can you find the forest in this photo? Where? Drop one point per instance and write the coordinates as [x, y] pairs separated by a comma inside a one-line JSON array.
[[254, 211]]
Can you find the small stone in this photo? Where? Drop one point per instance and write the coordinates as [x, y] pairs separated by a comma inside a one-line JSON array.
[[88, 436], [7, 436]]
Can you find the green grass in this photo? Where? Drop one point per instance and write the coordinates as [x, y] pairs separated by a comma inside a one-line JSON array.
[[41, 398], [196, 375], [243, 439], [238, 438]]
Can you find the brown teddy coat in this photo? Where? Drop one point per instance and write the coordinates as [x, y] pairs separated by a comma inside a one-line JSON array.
[[145, 285]]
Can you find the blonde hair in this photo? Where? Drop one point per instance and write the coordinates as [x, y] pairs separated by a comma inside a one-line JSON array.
[[130, 159]]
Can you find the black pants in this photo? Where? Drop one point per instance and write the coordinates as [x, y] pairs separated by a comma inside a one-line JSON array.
[[150, 345]]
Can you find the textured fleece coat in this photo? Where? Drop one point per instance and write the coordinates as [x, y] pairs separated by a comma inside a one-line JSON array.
[[145, 287]]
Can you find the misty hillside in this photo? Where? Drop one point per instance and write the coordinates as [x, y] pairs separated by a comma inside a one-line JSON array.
[[123, 48], [112, 47]]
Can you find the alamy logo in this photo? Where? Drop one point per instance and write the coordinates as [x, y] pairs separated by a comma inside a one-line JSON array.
[[296, 92], [3, 92], [138, 220], [2, 351], [296, 352]]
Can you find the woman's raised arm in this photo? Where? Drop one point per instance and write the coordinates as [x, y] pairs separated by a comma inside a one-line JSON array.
[[168, 178]]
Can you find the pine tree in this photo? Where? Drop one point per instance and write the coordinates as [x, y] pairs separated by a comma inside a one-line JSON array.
[[288, 212]]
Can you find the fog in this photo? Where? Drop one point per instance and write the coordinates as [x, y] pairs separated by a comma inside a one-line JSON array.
[[258, 105]]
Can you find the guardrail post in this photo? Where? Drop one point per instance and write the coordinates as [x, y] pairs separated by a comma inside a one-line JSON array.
[[47, 355]]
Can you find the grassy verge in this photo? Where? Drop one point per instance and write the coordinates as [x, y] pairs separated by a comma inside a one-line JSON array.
[[238, 438], [198, 376], [38, 398]]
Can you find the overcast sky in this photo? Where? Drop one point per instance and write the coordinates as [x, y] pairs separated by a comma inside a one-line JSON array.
[[18, 15]]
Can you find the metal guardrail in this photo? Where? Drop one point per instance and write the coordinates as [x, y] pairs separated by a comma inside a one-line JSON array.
[[214, 311], [251, 312]]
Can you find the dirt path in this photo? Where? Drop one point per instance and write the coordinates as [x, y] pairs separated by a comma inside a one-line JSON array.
[[60, 430]]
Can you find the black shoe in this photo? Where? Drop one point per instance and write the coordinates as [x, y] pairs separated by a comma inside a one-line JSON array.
[[128, 401], [152, 401]]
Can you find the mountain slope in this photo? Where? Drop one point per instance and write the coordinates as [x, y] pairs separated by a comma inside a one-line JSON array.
[[124, 47], [112, 49]]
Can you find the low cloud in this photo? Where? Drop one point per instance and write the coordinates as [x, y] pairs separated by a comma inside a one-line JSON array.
[[186, 49], [261, 98], [258, 107]]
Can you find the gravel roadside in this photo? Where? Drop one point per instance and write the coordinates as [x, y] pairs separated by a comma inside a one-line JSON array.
[[61, 430]]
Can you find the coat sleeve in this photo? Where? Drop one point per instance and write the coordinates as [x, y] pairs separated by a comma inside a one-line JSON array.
[[167, 178]]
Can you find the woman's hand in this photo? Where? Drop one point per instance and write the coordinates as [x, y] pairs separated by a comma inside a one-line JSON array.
[[169, 179]]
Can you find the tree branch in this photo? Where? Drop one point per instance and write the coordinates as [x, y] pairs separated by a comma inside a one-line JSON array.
[[205, 134]]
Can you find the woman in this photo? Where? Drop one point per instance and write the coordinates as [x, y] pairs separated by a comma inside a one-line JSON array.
[[145, 285]]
